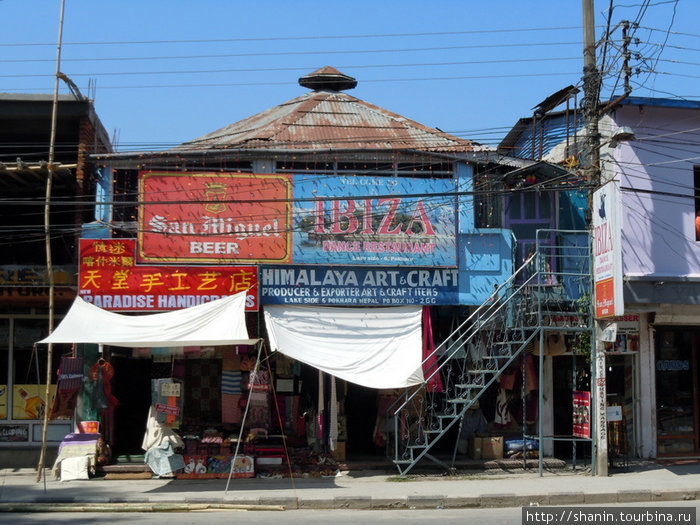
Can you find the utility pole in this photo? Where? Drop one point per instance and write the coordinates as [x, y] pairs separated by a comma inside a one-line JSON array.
[[591, 88], [591, 94]]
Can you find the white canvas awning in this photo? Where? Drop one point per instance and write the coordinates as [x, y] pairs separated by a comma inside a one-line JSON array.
[[219, 322], [373, 347]]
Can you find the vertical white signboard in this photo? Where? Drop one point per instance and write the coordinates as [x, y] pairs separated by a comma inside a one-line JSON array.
[[607, 251]]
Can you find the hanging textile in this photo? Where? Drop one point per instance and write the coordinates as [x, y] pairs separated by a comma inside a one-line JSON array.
[[102, 373], [101, 398], [231, 392], [203, 392], [321, 407], [430, 363], [333, 417], [70, 381], [259, 412], [531, 376], [502, 418], [384, 424], [167, 398], [554, 344]]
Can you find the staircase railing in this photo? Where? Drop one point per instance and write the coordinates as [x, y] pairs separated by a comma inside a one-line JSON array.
[[475, 354]]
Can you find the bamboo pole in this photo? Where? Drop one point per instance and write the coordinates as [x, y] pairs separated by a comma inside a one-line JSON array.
[[47, 234]]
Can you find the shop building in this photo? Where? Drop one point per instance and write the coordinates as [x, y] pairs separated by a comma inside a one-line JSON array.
[[332, 202], [658, 175], [321, 205], [650, 176], [25, 125]]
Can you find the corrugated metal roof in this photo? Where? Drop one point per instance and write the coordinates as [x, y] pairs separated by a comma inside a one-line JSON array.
[[328, 120]]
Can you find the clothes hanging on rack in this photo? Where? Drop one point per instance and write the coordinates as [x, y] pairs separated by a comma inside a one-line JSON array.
[[430, 362], [333, 417], [70, 381], [102, 373], [502, 418]]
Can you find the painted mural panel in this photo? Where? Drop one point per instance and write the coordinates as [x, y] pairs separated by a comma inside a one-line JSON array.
[[378, 221]]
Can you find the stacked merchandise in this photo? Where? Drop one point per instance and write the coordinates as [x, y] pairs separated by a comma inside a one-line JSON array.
[[269, 451]]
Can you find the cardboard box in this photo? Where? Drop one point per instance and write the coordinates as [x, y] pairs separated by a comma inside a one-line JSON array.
[[492, 447], [475, 447], [285, 386], [339, 453]]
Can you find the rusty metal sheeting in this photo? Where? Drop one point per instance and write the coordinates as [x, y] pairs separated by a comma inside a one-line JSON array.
[[25, 176], [328, 120]]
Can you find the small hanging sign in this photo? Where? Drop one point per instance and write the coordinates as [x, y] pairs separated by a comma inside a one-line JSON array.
[[170, 389]]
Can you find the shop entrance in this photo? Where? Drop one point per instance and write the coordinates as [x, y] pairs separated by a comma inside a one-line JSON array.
[[361, 413], [571, 374], [677, 391], [132, 387], [620, 388]]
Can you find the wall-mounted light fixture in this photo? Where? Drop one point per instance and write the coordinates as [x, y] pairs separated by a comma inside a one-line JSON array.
[[622, 134]]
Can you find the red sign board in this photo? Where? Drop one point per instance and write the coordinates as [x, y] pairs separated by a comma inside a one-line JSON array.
[[110, 279], [214, 217], [582, 414]]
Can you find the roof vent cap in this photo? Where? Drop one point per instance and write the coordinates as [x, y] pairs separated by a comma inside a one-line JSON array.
[[327, 79]]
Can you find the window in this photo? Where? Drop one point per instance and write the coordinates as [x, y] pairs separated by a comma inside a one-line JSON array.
[[527, 212], [4, 359], [29, 368], [696, 185]]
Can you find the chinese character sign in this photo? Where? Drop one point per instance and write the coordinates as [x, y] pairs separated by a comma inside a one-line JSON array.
[[110, 279]]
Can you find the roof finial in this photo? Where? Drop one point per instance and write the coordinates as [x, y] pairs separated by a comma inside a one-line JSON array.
[[327, 79]]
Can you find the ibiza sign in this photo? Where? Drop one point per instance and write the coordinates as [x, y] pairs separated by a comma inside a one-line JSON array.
[[607, 251]]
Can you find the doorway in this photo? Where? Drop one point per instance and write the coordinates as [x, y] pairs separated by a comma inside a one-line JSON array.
[[677, 389], [132, 387], [361, 413]]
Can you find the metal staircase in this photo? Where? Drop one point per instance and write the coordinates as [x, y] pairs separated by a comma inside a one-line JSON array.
[[471, 359]]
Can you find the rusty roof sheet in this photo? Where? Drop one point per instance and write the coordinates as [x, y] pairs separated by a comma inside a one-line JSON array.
[[328, 120]]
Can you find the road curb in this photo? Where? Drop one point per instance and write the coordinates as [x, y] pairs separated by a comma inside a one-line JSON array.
[[428, 501]]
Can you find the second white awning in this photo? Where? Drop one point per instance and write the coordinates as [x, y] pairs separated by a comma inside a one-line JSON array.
[[373, 347]]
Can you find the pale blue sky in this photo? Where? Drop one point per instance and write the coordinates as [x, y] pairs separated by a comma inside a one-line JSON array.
[[163, 72]]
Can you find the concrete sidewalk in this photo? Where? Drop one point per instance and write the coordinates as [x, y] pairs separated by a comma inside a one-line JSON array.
[[641, 482]]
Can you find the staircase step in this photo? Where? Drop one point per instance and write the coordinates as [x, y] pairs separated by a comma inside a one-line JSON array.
[[126, 467]]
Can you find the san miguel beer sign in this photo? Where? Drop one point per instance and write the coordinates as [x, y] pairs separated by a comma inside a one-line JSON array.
[[214, 217]]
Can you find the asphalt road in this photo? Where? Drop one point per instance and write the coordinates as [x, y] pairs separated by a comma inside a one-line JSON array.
[[490, 516]]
